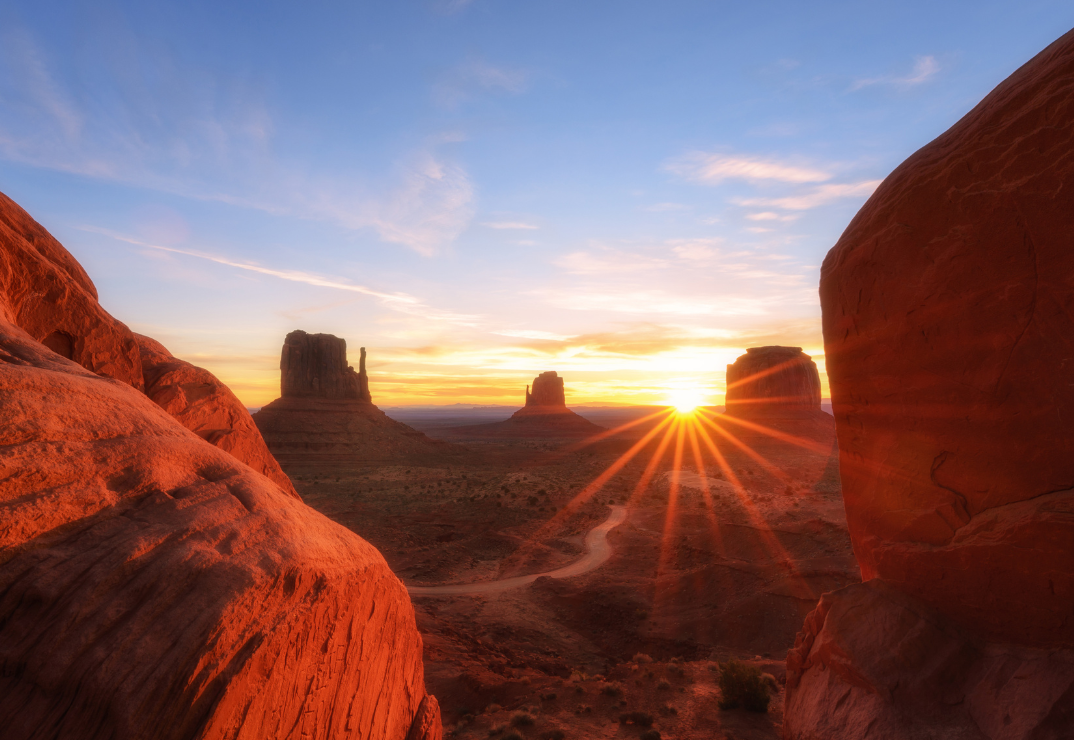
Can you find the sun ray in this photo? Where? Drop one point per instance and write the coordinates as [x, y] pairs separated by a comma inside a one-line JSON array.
[[753, 454]]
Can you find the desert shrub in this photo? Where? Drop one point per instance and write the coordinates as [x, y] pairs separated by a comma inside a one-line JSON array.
[[492, 708], [668, 711], [650, 735], [642, 658], [522, 719], [556, 734], [579, 690], [770, 682], [741, 685], [677, 670], [663, 686], [612, 691], [552, 696], [641, 719], [512, 735], [496, 730]]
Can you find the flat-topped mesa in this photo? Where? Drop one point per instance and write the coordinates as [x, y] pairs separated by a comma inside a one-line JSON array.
[[315, 366], [547, 391], [773, 380]]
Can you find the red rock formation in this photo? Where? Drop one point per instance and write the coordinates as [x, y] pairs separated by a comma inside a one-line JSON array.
[[208, 408], [949, 339], [545, 415], [51, 297], [325, 415], [872, 662], [48, 294], [151, 584], [547, 391], [315, 366], [773, 380]]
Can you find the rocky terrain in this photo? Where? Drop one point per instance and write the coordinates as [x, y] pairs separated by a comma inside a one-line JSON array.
[[948, 309], [153, 584]]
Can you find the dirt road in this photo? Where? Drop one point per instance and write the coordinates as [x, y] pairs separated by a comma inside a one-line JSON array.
[[597, 553]]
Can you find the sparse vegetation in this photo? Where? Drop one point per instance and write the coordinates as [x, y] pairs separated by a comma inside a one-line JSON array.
[[522, 719], [663, 686], [612, 690], [743, 686], [650, 735], [554, 734], [642, 658], [512, 735], [641, 719]]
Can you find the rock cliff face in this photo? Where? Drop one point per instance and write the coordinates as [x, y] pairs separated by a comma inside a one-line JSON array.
[[547, 391], [324, 413], [151, 584], [772, 380], [315, 366], [949, 339]]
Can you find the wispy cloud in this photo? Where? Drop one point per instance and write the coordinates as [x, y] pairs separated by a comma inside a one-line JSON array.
[[712, 169], [817, 197], [397, 301], [607, 261], [210, 138], [534, 334], [770, 216], [661, 207], [509, 225], [473, 76], [925, 68]]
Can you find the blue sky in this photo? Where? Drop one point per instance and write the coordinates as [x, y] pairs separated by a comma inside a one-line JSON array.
[[630, 193]]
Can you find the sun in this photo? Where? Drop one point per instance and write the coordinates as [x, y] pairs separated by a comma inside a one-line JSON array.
[[685, 400]]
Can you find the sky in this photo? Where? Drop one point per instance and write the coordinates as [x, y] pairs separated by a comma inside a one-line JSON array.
[[630, 193]]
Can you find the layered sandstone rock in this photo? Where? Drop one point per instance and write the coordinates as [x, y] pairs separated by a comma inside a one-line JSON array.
[[315, 366], [151, 584], [547, 391], [48, 295], [324, 413], [949, 339], [206, 407], [773, 381]]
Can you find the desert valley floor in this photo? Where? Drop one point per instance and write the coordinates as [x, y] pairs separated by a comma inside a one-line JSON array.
[[700, 571]]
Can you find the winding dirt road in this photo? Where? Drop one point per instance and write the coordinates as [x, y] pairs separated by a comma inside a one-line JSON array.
[[597, 553]]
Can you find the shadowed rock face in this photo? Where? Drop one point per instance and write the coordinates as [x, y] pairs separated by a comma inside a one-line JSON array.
[[315, 366], [949, 339], [547, 391], [152, 584], [770, 380]]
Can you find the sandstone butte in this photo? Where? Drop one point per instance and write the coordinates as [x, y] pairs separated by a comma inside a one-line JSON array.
[[325, 412], [773, 380], [152, 585], [545, 415], [948, 314]]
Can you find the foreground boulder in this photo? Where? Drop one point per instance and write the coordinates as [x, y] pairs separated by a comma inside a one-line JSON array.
[[152, 585], [773, 381], [207, 407], [47, 294], [949, 336]]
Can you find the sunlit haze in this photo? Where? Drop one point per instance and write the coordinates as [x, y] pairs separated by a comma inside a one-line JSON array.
[[480, 190]]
